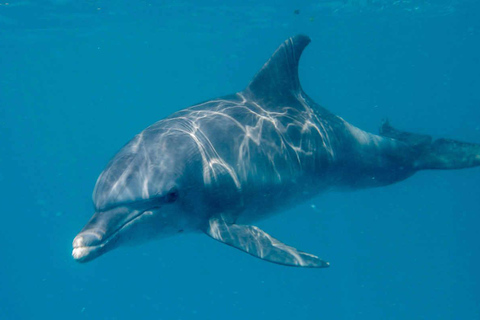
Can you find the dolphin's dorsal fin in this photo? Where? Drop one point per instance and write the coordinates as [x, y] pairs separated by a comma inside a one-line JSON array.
[[279, 76]]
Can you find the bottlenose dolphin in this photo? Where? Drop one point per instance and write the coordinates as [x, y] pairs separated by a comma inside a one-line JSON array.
[[222, 164]]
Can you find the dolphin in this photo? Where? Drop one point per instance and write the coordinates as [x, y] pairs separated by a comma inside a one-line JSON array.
[[219, 166]]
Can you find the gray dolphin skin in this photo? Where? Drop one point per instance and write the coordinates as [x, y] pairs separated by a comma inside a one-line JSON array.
[[221, 165]]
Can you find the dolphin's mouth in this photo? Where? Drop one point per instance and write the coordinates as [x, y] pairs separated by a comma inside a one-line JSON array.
[[89, 243]]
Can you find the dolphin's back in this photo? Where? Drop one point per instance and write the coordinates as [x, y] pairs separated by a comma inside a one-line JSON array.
[[254, 147]]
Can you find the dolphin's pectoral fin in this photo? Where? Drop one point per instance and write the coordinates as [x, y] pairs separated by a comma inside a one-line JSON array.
[[261, 245]]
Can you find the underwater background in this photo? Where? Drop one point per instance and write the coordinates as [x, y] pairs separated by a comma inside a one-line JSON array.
[[78, 79]]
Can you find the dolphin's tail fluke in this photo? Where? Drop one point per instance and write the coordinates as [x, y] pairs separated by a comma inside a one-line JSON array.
[[436, 154]]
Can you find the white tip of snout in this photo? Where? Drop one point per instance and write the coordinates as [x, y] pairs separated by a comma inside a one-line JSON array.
[[82, 245], [80, 250], [79, 253], [78, 242]]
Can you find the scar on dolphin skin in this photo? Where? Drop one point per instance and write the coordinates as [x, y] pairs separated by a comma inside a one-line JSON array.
[[221, 165]]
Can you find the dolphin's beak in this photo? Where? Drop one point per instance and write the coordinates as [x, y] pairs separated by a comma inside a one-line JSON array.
[[84, 248], [100, 233]]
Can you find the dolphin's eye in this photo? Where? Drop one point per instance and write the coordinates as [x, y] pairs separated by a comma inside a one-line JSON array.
[[172, 196]]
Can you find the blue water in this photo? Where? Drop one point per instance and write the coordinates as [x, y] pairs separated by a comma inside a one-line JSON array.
[[78, 79]]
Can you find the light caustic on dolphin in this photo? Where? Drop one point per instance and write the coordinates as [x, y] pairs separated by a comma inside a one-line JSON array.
[[220, 165]]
